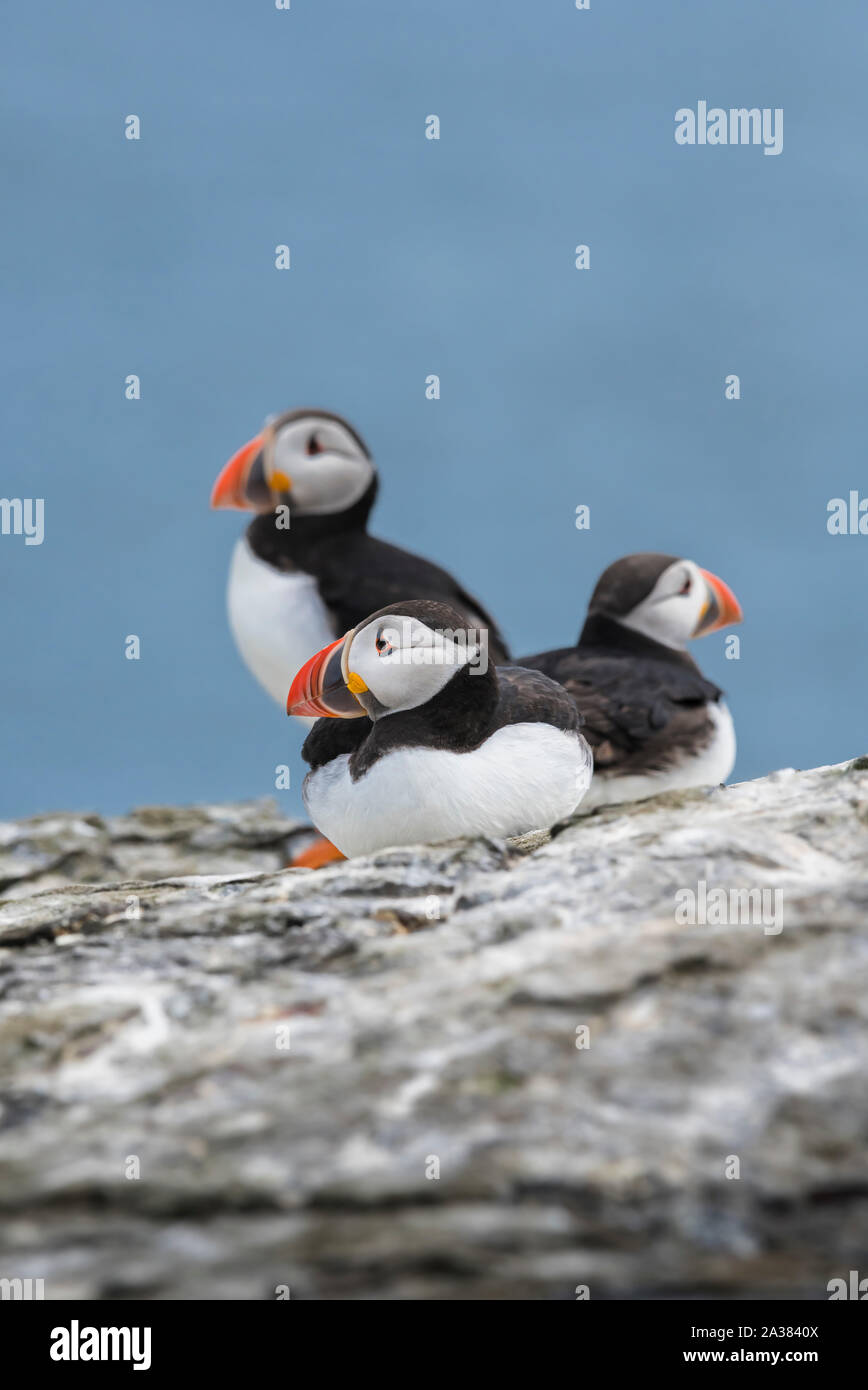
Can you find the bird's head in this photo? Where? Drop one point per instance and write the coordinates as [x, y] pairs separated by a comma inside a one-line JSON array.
[[310, 460], [664, 598], [396, 659]]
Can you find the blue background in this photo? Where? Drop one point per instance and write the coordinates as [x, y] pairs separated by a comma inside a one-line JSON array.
[[412, 257]]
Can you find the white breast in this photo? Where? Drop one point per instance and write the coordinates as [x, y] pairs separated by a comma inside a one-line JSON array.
[[709, 768], [524, 777], [278, 620]]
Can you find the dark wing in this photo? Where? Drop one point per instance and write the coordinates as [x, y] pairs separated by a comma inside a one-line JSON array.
[[357, 575], [329, 738], [526, 696], [638, 712]]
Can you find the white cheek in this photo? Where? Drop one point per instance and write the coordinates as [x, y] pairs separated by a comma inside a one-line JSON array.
[[671, 621], [387, 677], [394, 679], [684, 615], [373, 672], [324, 484], [401, 682], [359, 661]]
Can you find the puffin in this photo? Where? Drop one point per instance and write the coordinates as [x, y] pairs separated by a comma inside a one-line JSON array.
[[421, 738], [654, 722], [306, 570]]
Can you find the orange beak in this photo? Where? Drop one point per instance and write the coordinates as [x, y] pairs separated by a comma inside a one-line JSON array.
[[321, 689], [230, 487], [722, 608]]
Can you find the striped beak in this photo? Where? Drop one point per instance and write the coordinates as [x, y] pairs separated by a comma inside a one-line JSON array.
[[249, 480], [244, 482], [325, 687], [721, 608]]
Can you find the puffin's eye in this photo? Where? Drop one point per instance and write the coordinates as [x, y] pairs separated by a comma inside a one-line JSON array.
[[686, 586], [313, 445], [383, 645]]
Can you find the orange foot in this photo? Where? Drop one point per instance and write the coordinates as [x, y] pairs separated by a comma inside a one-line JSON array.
[[317, 855]]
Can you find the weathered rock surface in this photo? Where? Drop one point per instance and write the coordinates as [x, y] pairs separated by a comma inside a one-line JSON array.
[[431, 1000], [154, 842]]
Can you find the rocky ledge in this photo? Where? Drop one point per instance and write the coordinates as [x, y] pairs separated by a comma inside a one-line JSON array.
[[459, 1072]]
